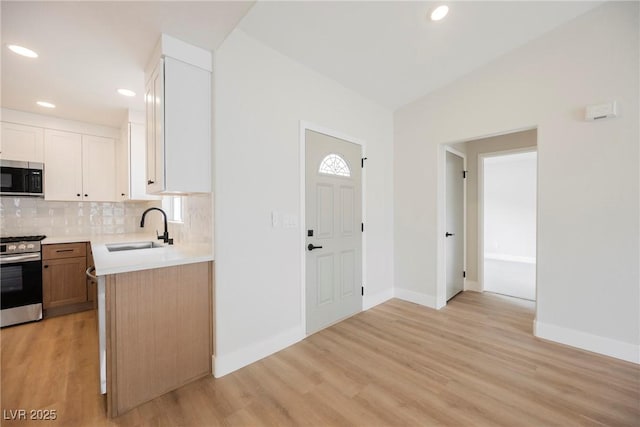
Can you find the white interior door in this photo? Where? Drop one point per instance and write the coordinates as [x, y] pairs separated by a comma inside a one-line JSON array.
[[333, 225], [454, 236]]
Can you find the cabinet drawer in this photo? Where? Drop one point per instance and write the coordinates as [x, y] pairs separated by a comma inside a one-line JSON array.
[[65, 250]]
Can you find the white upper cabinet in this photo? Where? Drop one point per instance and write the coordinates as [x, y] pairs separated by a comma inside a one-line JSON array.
[[63, 165], [178, 119], [20, 142], [98, 169], [78, 167], [154, 96], [130, 163], [123, 192]]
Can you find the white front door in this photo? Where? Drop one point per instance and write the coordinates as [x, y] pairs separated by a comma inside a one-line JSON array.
[[333, 228], [454, 235]]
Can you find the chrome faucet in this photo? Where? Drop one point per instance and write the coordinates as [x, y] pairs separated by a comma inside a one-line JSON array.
[[165, 236]]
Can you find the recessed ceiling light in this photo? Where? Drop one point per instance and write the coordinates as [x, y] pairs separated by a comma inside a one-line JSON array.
[[126, 92], [46, 104], [22, 51], [439, 12]]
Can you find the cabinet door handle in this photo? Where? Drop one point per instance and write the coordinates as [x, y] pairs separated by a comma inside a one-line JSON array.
[[45, 266], [78, 194], [86, 195], [150, 182], [64, 250], [122, 194]]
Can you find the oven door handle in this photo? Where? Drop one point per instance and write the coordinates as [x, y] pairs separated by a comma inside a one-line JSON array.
[[12, 259]]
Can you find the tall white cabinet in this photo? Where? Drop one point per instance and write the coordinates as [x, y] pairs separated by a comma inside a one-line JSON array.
[[178, 118]]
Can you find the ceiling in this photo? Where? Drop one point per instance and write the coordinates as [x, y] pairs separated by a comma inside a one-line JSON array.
[[387, 51], [390, 51], [90, 49]]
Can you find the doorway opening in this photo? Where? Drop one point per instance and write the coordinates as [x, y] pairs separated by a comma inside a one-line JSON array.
[[508, 189], [474, 151]]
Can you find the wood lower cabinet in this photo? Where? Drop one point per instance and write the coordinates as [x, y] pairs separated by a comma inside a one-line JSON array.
[[64, 284], [159, 332]]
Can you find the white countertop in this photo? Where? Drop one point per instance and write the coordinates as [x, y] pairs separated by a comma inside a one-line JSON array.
[[65, 239], [140, 259]]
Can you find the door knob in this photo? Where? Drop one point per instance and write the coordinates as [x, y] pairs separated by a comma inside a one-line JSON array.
[[447, 234], [311, 247]]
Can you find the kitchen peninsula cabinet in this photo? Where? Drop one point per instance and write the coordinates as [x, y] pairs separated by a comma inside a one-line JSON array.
[[78, 167], [159, 332], [178, 118]]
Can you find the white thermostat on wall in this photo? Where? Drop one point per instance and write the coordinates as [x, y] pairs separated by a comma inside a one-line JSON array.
[[601, 111]]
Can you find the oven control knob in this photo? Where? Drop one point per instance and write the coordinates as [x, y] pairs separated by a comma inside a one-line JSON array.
[[11, 247], [30, 246], [22, 247]]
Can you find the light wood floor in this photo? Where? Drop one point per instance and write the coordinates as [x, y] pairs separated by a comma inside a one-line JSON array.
[[473, 363]]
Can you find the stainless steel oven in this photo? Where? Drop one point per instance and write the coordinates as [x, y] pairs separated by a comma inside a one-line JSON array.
[[20, 280]]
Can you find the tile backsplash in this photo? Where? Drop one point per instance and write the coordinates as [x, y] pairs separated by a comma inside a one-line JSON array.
[[21, 216], [198, 220]]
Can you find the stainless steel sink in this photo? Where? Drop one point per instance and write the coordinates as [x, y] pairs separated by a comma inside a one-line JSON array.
[[132, 246]]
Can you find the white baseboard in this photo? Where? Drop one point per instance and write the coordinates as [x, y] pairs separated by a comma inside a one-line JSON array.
[[415, 297], [510, 258], [472, 285], [226, 363], [589, 342], [370, 301]]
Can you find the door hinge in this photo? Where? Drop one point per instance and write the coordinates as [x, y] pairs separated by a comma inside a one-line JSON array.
[[464, 174], [362, 161], [464, 274], [362, 290], [362, 227]]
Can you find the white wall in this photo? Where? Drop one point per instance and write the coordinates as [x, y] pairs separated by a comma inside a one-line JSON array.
[[588, 229], [509, 217], [260, 98], [509, 199]]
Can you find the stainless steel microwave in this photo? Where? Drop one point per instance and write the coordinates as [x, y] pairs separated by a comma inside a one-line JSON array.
[[21, 178]]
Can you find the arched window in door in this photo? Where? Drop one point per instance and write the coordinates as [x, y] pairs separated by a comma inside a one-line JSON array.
[[334, 164]]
